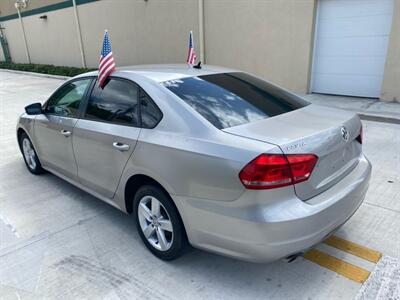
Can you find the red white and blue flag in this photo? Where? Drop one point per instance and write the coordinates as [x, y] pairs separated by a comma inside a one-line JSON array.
[[191, 54], [107, 63]]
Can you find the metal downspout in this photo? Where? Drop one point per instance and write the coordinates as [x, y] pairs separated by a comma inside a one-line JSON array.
[[28, 58], [78, 31], [201, 31]]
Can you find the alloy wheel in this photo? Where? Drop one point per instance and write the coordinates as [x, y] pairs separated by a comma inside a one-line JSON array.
[[29, 153], [155, 223]]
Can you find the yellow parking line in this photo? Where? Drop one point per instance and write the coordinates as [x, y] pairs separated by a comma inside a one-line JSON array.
[[337, 265], [353, 248]]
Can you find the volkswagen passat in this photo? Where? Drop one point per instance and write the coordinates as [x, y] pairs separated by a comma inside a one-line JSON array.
[[211, 157]]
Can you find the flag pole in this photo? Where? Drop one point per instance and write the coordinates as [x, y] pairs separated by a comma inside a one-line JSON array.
[[190, 39]]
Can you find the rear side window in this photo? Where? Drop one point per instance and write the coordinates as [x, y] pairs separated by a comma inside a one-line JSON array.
[[150, 113], [231, 99], [116, 103]]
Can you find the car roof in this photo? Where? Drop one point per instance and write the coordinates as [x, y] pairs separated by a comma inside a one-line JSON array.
[[165, 72]]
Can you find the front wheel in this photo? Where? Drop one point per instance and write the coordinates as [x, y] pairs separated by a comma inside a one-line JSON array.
[[30, 157], [158, 223]]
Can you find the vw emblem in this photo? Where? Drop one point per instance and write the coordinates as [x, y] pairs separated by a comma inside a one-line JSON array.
[[345, 133]]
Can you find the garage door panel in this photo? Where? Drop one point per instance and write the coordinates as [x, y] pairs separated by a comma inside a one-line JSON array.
[[356, 46], [349, 85], [345, 8], [345, 65], [351, 44], [356, 26]]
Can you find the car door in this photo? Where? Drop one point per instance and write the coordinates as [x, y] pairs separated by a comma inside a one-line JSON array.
[[106, 136], [54, 128]]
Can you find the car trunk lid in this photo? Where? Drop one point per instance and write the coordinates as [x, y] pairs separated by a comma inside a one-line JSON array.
[[328, 133]]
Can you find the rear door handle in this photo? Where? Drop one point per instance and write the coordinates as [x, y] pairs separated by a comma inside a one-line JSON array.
[[65, 133], [121, 147]]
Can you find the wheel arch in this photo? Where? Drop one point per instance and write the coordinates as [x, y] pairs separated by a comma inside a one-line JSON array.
[[135, 182], [132, 186], [21, 131]]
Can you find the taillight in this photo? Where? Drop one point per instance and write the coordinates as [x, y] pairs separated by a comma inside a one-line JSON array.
[[360, 136], [268, 171]]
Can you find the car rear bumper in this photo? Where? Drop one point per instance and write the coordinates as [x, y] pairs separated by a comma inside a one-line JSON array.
[[255, 229]]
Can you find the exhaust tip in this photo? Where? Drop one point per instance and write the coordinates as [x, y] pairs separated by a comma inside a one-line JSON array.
[[293, 257]]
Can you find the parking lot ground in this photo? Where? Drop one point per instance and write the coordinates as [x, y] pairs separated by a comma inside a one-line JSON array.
[[57, 241], [367, 108]]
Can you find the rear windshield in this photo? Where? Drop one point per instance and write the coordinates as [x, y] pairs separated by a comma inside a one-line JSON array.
[[231, 99]]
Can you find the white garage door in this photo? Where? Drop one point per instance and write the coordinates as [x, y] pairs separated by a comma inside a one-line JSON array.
[[351, 46]]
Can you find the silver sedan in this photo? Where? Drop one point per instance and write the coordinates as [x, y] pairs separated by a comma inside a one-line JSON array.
[[211, 157]]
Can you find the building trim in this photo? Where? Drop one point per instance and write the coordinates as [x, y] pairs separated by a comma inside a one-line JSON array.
[[44, 9]]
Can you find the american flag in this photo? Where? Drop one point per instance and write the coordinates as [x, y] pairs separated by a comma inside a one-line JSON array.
[[192, 54], [107, 63]]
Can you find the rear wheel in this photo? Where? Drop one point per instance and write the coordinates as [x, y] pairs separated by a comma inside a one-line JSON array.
[[158, 223], [30, 157]]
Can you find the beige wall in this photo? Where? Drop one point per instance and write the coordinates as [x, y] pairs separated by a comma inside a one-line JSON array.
[[391, 81], [51, 41], [270, 38], [13, 34], [7, 6], [141, 32], [277, 32], [57, 42]]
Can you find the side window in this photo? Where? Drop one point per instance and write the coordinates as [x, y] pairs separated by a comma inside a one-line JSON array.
[[117, 103], [65, 102], [150, 113]]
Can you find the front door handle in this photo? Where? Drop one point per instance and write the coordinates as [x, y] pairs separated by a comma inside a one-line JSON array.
[[65, 133], [121, 147]]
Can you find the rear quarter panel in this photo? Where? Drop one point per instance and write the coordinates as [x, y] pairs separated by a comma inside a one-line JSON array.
[[193, 167]]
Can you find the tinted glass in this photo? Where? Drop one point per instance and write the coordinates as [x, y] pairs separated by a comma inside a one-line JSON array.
[[65, 102], [150, 113], [231, 99], [117, 102]]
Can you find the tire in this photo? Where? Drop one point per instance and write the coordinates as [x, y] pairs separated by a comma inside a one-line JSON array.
[[153, 226], [30, 156]]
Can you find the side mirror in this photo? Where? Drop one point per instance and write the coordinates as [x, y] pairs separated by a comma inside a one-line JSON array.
[[34, 109]]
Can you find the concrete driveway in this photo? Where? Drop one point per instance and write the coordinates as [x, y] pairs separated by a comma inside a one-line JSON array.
[[59, 242]]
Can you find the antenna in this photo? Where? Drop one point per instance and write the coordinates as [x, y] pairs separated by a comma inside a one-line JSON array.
[[198, 66]]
